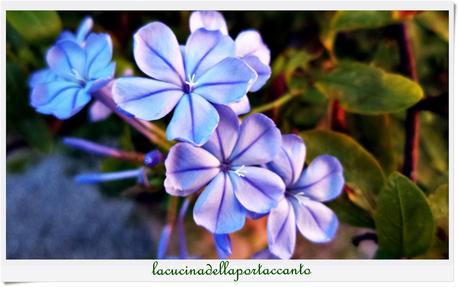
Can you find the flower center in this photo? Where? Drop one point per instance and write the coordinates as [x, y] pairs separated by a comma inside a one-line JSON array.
[[78, 77], [189, 84]]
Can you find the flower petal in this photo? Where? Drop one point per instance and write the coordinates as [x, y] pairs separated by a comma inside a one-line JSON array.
[[264, 254], [256, 188], [282, 230], [259, 141], [210, 20], [206, 48], [250, 43], [289, 162], [98, 112], [223, 139], [99, 52], [323, 180], [157, 53], [84, 29], [145, 98], [314, 220], [67, 59], [217, 209], [226, 82], [241, 107], [263, 72], [66, 36], [41, 77], [194, 120], [189, 168], [61, 98], [223, 245]]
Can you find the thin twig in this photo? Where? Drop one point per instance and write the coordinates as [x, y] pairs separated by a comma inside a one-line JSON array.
[[273, 105], [412, 121]]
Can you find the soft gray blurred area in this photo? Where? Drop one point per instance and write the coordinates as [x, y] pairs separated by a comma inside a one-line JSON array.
[[48, 216]]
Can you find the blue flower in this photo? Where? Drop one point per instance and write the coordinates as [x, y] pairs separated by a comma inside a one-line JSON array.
[[249, 47], [79, 65], [227, 167], [302, 205], [189, 78]]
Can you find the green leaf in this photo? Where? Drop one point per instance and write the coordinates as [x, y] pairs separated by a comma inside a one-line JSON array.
[[364, 89], [436, 21], [404, 220], [438, 201], [374, 133], [349, 213], [35, 25], [353, 20], [362, 171]]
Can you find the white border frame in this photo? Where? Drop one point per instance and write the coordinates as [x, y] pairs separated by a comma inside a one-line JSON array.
[[140, 270]]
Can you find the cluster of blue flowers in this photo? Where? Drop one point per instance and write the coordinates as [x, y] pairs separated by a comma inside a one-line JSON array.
[[244, 168]]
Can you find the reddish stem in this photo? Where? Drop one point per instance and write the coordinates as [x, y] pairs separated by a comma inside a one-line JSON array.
[[412, 122], [338, 117]]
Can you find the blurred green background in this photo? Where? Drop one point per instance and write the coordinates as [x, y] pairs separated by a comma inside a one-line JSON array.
[[304, 46]]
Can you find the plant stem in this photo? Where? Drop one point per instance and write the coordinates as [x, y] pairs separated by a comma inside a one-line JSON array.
[[275, 104], [412, 121], [338, 117], [102, 150], [104, 96]]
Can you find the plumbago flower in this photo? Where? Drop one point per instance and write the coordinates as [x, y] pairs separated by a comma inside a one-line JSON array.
[[249, 47], [78, 65], [302, 207], [227, 167], [191, 79]]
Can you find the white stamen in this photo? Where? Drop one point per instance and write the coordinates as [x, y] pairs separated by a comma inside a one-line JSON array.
[[240, 171], [77, 75], [191, 82]]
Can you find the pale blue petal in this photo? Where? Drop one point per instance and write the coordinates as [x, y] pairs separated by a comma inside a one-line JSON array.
[[61, 99], [254, 215], [281, 230], [259, 141], [289, 162], [67, 59], [99, 52], [194, 120], [189, 168], [263, 72], [226, 82], [204, 49], [98, 112], [264, 254], [323, 180], [256, 188], [42, 76], [250, 43], [146, 99], [210, 20], [217, 209], [103, 77], [241, 107], [314, 220], [223, 245], [84, 29], [94, 86], [157, 53], [66, 36], [223, 139]]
